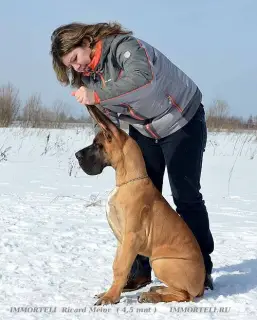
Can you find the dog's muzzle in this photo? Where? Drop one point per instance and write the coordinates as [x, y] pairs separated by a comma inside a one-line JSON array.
[[90, 160]]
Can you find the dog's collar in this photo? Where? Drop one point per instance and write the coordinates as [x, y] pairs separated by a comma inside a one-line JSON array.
[[139, 178]]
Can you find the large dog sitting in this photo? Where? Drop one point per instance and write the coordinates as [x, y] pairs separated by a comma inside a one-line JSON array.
[[142, 220]]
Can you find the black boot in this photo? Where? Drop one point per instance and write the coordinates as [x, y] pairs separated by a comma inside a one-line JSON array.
[[208, 283]]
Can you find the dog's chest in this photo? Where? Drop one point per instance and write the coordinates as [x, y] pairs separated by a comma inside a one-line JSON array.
[[112, 214]]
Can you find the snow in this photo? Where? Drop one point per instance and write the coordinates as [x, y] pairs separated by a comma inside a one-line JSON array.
[[57, 249]]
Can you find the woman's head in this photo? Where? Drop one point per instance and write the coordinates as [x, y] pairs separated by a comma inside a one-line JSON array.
[[73, 47]]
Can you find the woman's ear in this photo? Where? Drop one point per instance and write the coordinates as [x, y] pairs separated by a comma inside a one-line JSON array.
[[87, 42]]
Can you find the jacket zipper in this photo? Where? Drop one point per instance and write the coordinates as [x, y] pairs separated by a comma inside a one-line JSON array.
[[147, 127], [134, 115], [132, 112], [151, 132], [120, 74], [102, 79], [173, 103]]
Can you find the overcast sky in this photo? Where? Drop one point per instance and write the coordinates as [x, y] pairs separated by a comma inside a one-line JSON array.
[[213, 41]]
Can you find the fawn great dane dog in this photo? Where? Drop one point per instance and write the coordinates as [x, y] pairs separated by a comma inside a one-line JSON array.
[[142, 220]]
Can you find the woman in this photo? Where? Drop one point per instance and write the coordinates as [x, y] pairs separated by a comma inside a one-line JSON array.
[[136, 83]]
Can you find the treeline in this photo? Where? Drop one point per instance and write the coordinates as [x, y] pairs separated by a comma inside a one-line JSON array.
[[34, 114], [218, 118]]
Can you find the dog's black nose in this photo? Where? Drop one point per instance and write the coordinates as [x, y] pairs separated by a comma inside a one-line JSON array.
[[79, 155]]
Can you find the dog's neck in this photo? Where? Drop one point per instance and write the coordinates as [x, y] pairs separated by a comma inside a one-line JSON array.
[[131, 167], [127, 172]]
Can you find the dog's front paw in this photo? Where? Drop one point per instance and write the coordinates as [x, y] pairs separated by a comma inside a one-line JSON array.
[[100, 295], [106, 299]]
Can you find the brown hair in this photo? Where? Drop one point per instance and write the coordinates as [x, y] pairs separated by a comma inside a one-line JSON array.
[[67, 37]]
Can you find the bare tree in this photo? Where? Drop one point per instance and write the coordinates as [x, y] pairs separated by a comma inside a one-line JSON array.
[[9, 104], [60, 113], [217, 114], [32, 112], [250, 122]]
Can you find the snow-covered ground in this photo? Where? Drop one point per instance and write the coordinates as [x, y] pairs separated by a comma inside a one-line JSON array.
[[57, 249]]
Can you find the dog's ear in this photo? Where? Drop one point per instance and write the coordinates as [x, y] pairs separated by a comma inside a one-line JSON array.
[[107, 126]]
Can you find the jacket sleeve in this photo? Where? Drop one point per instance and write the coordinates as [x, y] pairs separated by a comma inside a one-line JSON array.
[[137, 75]]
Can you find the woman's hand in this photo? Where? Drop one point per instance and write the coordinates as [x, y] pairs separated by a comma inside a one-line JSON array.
[[84, 96]]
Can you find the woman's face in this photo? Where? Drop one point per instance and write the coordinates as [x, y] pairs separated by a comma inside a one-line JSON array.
[[78, 58]]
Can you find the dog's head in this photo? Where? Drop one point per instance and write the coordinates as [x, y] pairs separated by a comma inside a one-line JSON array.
[[106, 149]]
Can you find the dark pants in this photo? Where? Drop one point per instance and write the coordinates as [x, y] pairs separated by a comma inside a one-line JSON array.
[[182, 154]]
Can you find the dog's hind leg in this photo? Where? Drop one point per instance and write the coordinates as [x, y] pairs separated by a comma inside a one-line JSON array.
[[155, 288], [152, 289], [165, 295]]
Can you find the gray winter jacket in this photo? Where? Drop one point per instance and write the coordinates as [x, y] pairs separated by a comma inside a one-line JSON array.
[[136, 83]]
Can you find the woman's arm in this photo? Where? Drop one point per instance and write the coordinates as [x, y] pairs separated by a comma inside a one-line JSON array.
[[137, 74]]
